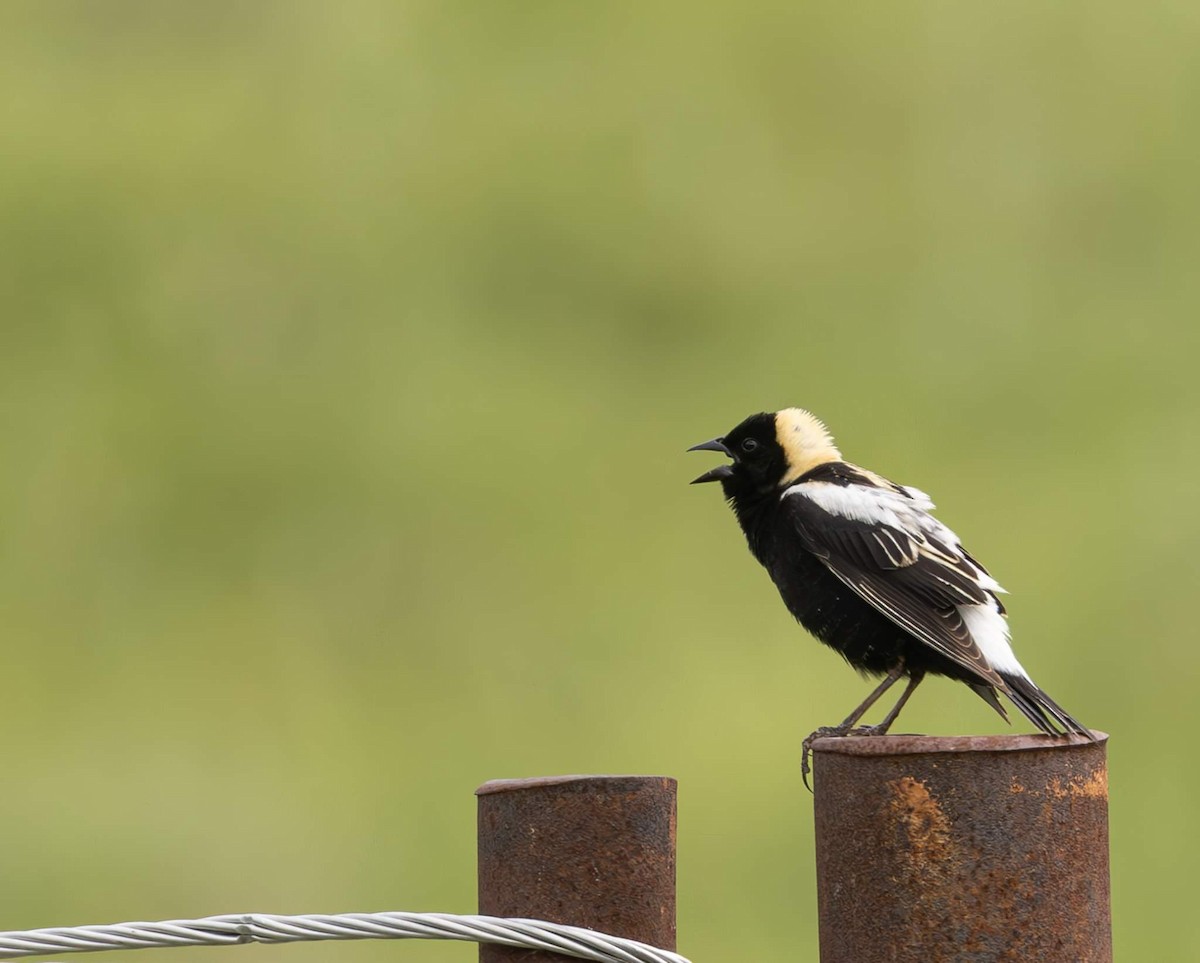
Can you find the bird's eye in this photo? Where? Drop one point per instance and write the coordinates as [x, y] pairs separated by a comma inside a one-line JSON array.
[[749, 445]]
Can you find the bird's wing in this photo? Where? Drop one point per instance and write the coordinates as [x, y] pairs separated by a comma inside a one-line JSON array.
[[880, 540]]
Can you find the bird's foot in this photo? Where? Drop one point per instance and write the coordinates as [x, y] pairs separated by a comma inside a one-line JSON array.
[[834, 732]]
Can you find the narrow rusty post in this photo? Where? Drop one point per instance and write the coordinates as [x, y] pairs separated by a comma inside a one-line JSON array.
[[591, 851], [980, 849]]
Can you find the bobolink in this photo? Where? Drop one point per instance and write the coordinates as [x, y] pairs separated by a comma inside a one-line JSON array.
[[865, 567]]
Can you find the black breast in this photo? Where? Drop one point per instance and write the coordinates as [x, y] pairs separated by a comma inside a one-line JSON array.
[[827, 608]]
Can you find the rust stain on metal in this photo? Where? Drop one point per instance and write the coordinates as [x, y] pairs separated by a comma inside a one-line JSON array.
[[591, 851], [922, 821], [1094, 784], [970, 849]]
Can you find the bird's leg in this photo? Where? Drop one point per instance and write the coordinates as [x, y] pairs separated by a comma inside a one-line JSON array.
[[847, 726], [848, 723], [914, 680]]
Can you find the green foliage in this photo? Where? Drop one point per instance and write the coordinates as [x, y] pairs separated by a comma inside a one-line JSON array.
[[349, 356]]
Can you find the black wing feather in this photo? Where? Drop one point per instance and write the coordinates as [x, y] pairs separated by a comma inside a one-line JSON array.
[[915, 582]]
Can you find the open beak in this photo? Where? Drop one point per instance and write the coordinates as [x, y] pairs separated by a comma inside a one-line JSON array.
[[721, 471]]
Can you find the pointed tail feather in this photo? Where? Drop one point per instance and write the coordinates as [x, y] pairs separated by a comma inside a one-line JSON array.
[[1040, 709], [988, 694]]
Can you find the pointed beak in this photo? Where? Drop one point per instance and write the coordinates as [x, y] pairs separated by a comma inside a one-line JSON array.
[[721, 471]]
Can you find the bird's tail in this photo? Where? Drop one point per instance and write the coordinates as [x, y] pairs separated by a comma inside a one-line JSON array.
[[1040, 709]]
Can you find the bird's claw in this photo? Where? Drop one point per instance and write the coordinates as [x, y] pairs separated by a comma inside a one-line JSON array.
[[835, 732]]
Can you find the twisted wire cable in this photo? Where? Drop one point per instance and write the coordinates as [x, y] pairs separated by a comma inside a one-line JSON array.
[[237, 928]]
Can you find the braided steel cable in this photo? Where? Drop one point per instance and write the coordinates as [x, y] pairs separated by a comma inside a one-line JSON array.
[[237, 928]]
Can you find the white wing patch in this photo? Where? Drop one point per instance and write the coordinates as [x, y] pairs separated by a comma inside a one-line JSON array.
[[871, 505], [924, 502], [907, 512]]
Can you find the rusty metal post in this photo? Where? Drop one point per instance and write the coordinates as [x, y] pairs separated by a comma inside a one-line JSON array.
[[592, 851], [975, 849]]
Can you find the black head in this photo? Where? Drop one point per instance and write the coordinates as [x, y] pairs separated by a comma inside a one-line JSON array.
[[759, 461], [769, 450]]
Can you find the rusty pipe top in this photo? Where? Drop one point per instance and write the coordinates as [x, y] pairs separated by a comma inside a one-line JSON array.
[[911, 745], [541, 782]]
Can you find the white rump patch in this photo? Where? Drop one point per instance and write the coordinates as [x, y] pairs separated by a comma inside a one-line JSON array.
[[989, 629]]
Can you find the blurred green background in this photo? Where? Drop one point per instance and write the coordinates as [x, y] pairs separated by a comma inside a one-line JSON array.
[[350, 352]]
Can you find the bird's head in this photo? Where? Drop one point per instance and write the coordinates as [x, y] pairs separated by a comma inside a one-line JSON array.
[[769, 450]]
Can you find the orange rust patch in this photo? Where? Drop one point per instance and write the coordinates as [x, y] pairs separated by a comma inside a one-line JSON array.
[[924, 823], [1094, 786]]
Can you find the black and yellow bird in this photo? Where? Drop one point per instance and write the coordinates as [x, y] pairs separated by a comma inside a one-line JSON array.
[[865, 567]]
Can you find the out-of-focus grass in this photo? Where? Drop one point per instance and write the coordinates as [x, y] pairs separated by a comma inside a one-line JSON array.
[[349, 356]]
